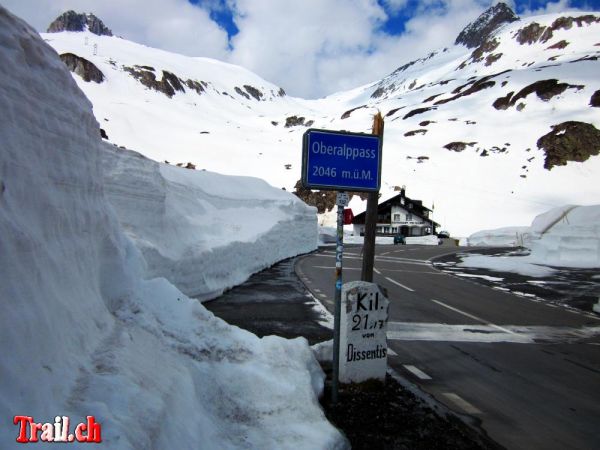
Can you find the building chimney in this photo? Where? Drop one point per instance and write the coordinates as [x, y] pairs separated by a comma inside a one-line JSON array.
[[403, 192]]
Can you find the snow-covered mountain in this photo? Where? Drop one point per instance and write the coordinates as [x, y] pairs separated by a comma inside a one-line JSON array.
[[482, 128]]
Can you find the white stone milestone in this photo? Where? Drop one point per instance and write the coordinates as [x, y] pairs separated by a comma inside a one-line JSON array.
[[363, 327]]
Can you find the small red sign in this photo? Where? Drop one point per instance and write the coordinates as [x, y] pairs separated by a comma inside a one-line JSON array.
[[348, 216]]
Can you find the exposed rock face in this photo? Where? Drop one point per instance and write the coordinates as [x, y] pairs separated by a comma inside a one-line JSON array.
[[475, 86], [534, 32], [82, 67], [477, 32], [250, 91], [295, 121], [414, 112], [544, 89], [569, 141], [72, 21], [322, 200], [459, 146], [595, 100], [167, 85], [350, 111]]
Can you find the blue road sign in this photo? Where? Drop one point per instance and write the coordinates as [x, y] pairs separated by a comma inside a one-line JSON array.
[[341, 161]]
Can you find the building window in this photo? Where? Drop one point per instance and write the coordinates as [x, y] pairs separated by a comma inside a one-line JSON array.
[[397, 218], [409, 217]]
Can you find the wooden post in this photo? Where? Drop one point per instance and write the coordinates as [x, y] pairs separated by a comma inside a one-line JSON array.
[[371, 216]]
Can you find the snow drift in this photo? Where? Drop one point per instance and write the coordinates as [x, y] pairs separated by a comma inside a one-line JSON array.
[[203, 231], [567, 236], [82, 333], [500, 237]]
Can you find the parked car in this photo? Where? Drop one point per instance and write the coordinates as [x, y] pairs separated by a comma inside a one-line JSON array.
[[399, 239], [443, 234]]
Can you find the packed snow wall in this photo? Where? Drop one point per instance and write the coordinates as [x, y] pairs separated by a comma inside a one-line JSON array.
[[567, 236], [203, 231], [83, 332]]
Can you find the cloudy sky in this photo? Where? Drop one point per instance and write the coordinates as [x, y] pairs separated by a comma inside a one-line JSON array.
[[311, 48]]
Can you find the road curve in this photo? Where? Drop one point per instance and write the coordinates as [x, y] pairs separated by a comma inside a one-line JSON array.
[[529, 371]]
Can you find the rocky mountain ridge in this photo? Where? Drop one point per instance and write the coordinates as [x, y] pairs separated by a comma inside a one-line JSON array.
[[72, 21], [477, 32]]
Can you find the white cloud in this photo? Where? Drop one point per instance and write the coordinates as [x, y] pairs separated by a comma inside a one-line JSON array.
[[550, 8], [394, 6], [310, 48], [317, 47]]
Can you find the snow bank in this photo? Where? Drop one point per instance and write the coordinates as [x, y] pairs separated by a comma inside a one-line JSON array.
[[517, 264], [81, 332], [203, 231], [568, 236], [423, 240], [501, 237]]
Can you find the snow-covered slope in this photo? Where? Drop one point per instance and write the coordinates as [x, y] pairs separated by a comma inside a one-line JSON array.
[[83, 332], [462, 124]]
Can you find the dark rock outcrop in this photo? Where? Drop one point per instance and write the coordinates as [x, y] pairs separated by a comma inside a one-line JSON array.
[[294, 121], [253, 92], [534, 32], [72, 21], [350, 111], [544, 89], [82, 67], [503, 102], [167, 85], [479, 85], [458, 146], [322, 200], [197, 86], [559, 45], [391, 112], [569, 141], [595, 100], [477, 32], [417, 111], [415, 132], [242, 93]]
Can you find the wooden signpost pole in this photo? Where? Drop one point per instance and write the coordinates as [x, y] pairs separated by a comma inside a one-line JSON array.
[[371, 216]]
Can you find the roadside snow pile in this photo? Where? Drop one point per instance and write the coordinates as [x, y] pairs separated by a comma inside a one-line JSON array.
[[512, 263], [568, 236], [81, 331], [501, 237], [423, 240], [202, 231]]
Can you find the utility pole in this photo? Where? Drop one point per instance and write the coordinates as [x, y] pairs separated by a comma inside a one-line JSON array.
[[371, 216]]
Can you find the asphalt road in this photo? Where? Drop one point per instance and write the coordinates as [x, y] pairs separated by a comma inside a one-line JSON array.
[[527, 370]]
